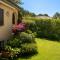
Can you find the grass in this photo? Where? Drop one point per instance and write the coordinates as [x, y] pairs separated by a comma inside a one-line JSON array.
[[47, 50]]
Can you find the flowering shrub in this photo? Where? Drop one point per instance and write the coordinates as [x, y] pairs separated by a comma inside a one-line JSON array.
[[19, 27], [22, 44]]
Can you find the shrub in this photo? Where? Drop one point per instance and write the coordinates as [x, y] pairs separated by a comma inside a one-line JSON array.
[[28, 45], [19, 28], [46, 28], [14, 42], [21, 42], [10, 53], [27, 38], [28, 49]]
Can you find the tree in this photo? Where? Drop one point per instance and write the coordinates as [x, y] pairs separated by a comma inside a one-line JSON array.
[[40, 14], [46, 15], [19, 17], [17, 1], [26, 12], [33, 14], [56, 15]]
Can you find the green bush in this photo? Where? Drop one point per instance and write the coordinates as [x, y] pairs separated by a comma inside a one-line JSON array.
[[23, 42], [13, 52], [30, 32], [27, 38], [46, 28], [14, 42], [28, 45], [28, 49]]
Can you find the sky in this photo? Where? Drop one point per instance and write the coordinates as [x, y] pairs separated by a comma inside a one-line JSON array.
[[42, 6]]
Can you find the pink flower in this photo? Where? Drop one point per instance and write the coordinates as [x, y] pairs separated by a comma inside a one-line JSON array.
[[19, 27]]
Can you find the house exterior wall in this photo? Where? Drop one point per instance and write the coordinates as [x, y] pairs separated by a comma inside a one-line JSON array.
[[6, 29]]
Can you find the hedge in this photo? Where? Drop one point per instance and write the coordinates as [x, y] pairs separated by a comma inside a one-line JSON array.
[[46, 28]]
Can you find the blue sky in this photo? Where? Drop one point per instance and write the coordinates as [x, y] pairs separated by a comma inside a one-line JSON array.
[[42, 6]]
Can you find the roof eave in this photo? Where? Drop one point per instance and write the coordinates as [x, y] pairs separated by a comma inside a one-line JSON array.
[[11, 4]]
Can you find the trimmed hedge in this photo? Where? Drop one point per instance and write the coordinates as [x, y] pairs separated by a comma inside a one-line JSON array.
[[46, 28]]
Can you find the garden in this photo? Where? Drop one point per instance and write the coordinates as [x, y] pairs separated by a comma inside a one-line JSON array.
[[34, 39]]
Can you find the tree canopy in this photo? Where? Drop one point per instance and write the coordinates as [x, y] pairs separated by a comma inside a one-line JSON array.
[[43, 15], [26, 12], [17, 1], [56, 15]]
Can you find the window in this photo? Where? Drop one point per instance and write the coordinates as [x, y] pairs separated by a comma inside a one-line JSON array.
[[1, 17], [13, 18]]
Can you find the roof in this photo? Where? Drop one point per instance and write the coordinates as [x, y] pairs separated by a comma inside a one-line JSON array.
[[11, 4]]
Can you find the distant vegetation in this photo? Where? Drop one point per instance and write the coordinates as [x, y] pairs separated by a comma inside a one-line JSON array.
[[26, 13], [45, 28], [56, 15], [43, 15]]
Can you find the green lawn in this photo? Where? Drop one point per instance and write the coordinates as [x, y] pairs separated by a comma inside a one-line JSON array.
[[47, 50]]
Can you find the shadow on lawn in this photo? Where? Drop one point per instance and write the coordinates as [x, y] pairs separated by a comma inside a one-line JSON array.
[[50, 39]]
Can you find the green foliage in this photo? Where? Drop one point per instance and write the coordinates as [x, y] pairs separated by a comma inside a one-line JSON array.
[[43, 15], [26, 12], [13, 42], [28, 45], [30, 32], [28, 49], [19, 17], [46, 28], [46, 15], [56, 15], [13, 51], [27, 38], [10, 53], [21, 44], [16, 1]]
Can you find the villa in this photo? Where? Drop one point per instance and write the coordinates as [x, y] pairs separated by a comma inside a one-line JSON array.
[[8, 17]]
